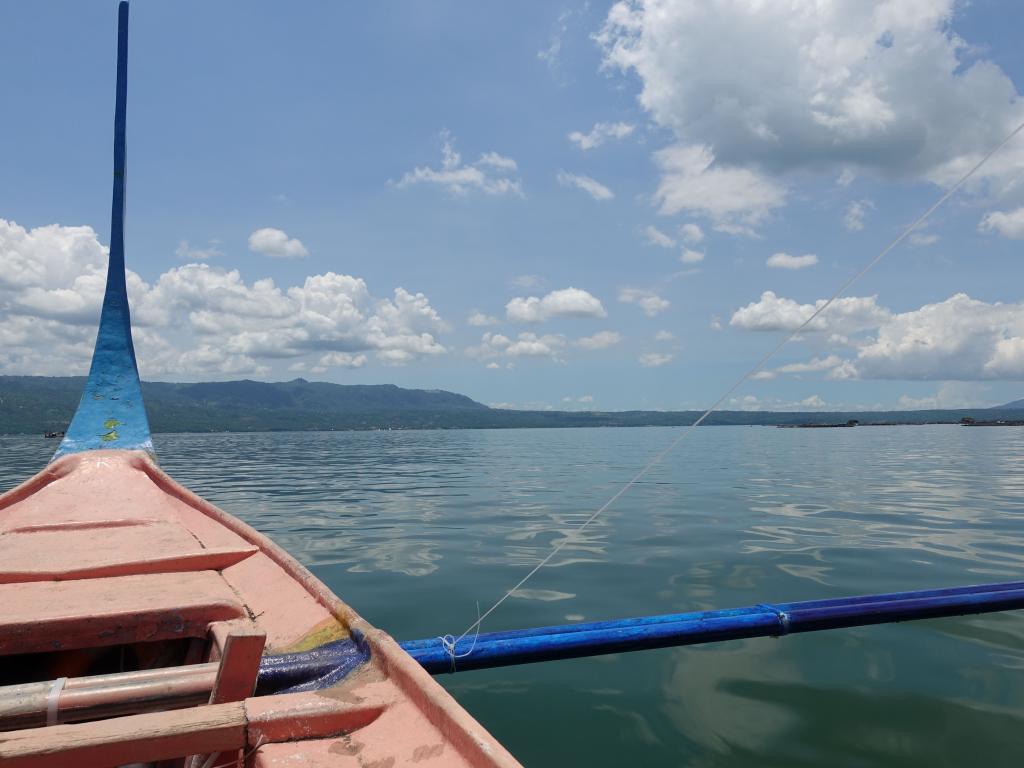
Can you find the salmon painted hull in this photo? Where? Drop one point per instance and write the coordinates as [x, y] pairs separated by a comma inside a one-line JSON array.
[[131, 603]]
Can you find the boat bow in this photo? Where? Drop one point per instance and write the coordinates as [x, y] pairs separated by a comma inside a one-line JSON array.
[[111, 413]]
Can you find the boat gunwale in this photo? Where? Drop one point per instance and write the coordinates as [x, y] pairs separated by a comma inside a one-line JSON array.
[[460, 729]]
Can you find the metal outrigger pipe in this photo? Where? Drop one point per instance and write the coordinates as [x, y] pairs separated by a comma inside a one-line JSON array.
[[497, 649]]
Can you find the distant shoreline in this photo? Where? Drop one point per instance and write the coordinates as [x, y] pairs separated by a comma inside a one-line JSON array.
[[40, 404], [314, 430]]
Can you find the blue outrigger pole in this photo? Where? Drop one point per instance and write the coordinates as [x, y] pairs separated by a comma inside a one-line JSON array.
[[498, 649], [524, 646], [111, 413]]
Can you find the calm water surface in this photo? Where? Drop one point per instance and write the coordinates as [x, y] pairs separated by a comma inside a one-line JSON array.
[[414, 528]]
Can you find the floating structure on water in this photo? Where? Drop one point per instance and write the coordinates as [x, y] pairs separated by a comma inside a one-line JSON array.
[[812, 425], [967, 421]]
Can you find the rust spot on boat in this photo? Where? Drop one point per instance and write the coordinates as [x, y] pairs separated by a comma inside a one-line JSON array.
[[426, 752], [345, 747]]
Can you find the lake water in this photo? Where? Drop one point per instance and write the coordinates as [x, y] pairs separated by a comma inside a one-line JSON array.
[[414, 528]]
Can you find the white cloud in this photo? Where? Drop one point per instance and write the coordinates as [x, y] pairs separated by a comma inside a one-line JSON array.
[[491, 345], [567, 302], [655, 236], [690, 256], [594, 188], [654, 359], [527, 281], [600, 133], [814, 402], [500, 162], [524, 345], [186, 252], [775, 313], [735, 198], [600, 340], [491, 174], [1006, 223], [921, 239], [583, 399], [648, 301], [533, 345], [194, 318], [276, 244], [811, 402], [746, 403], [853, 219], [830, 364], [884, 88], [813, 365], [691, 233], [951, 394], [664, 336], [477, 318], [552, 54], [207, 359], [845, 370], [785, 261], [339, 360], [529, 344], [958, 339]]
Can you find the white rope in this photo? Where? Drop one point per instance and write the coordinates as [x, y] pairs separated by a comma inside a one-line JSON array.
[[53, 700], [758, 366], [448, 642]]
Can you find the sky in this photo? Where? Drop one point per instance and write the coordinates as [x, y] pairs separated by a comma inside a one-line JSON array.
[[593, 206]]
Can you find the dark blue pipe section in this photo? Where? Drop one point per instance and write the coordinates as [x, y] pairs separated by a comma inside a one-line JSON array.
[[312, 670], [496, 649], [111, 413]]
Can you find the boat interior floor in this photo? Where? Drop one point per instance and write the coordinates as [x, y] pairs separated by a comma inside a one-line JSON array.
[[134, 618]]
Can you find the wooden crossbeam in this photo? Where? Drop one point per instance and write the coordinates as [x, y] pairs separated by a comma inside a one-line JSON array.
[[132, 739]]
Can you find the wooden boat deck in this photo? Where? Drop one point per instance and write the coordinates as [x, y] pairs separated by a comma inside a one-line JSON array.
[[102, 550]]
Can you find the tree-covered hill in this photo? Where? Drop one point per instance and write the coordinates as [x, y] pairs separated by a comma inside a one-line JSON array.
[[37, 404], [41, 403]]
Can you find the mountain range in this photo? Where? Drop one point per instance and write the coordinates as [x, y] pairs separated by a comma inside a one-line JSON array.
[[36, 404]]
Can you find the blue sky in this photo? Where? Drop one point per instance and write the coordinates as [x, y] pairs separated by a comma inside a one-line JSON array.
[[596, 206]]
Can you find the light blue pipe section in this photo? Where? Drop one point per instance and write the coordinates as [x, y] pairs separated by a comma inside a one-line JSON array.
[[111, 413]]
